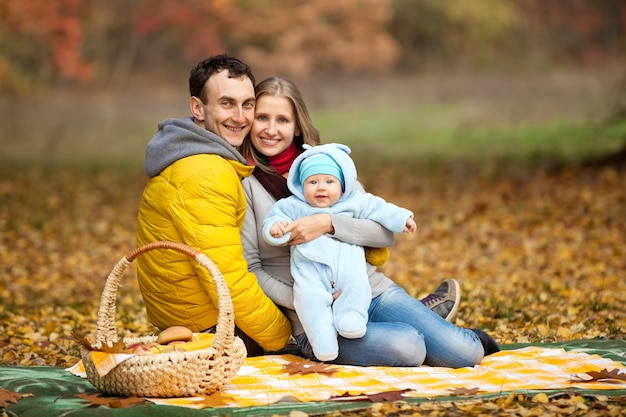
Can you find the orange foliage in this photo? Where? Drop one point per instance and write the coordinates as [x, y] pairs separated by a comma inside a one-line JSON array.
[[44, 41], [347, 35], [198, 23], [54, 26]]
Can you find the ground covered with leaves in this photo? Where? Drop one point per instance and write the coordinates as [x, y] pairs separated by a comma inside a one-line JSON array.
[[540, 252]]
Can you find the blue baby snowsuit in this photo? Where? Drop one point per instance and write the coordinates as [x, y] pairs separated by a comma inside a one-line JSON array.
[[326, 265]]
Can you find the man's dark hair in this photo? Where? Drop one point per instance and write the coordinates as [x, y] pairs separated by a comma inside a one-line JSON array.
[[212, 65]]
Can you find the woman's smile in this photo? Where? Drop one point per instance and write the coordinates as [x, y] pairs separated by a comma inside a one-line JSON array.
[[274, 125]]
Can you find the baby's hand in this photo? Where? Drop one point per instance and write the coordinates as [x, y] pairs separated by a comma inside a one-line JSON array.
[[279, 229], [410, 226]]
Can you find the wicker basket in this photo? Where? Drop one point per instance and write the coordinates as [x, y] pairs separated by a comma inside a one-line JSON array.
[[172, 374]]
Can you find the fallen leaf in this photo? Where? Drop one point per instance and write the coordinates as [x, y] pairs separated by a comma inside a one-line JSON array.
[[9, 397], [604, 374], [82, 341], [387, 395], [127, 402], [308, 367], [376, 397], [113, 402], [117, 347]]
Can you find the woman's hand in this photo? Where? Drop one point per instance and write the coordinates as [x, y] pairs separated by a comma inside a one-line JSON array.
[[309, 228]]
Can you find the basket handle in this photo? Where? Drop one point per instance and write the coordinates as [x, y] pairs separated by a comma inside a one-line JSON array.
[[106, 332]]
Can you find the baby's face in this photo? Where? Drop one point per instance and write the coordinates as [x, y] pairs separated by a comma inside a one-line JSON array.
[[322, 190]]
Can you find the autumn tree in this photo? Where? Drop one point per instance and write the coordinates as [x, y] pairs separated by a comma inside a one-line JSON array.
[[284, 36], [584, 32], [70, 39], [493, 33], [151, 35], [454, 31], [41, 43], [313, 37]]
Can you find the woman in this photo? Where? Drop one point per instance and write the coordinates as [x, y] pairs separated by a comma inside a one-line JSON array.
[[401, 330]]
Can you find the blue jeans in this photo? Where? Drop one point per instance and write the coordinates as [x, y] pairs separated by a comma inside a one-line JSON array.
[[401, 331]]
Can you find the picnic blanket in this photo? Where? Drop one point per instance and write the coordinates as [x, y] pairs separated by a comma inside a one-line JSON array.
[[263, 387]]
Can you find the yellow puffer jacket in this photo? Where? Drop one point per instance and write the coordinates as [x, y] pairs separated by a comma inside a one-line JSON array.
[[198, 200]]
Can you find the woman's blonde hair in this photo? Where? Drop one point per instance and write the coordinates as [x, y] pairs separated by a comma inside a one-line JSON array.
[[281, 87]]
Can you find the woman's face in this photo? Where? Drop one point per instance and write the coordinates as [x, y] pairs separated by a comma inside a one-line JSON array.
[[274, 125]]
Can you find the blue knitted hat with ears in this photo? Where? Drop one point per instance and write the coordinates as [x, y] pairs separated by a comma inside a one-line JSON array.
[[320, 163]]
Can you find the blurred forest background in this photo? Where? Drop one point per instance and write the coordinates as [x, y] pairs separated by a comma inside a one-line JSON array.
[[91, 79]]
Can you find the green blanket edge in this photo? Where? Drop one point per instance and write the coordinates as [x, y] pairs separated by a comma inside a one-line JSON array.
[[54, 391]]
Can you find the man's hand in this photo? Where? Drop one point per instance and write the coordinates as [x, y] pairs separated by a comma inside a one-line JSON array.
[[309, 228]]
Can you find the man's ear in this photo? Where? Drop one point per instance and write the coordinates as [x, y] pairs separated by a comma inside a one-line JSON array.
[[197, 108]]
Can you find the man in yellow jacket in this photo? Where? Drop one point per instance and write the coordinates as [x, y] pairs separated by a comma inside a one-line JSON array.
[[194, 196]]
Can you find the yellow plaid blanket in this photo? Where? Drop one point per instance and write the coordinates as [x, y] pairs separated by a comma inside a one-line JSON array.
[[263, 380]]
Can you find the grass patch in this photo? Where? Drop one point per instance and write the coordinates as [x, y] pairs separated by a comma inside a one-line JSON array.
[[428, 135], [433, 133]]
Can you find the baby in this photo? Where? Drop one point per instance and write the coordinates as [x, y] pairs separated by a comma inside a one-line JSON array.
[[323, 180]]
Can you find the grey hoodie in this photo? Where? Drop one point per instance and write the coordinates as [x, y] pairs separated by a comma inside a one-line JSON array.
[[180, 138]]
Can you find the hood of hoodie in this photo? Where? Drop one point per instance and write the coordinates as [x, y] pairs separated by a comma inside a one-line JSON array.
[[339, 152], [179, 138]]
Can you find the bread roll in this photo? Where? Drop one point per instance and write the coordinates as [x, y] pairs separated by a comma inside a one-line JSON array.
[[174, 334]]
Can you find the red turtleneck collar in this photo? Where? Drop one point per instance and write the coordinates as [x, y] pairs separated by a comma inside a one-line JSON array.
[[282, 162]]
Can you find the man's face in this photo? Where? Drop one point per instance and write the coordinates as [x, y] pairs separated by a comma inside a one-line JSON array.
[[229, 111]]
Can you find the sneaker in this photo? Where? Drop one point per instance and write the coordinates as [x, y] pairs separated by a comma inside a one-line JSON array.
[[445, 300]]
